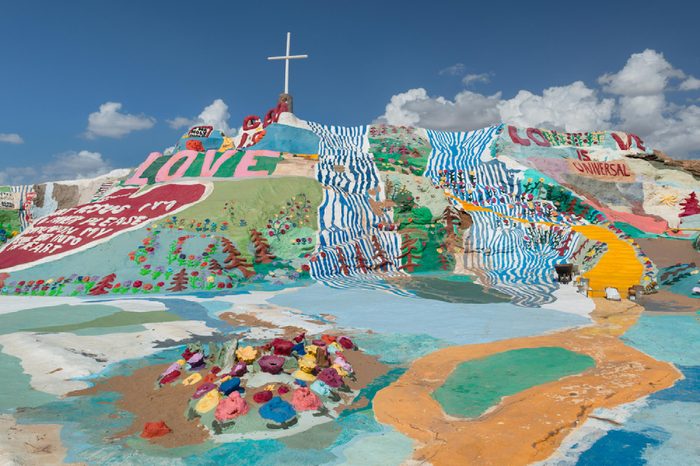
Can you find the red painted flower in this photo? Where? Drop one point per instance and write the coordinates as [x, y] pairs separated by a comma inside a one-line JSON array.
[[194, 144], [137, 284], [263, 396]]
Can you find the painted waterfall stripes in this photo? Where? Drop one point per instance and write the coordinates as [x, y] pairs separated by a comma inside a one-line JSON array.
[[347, 223], [499, 256], [490, 183], [497, 253]]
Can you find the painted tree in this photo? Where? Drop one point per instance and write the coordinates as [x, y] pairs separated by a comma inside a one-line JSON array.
[[360, 259], [451, 218], [443, 258], [690, 205], [103, 286], [179, 281], [342, 261], [262, 248], [214, 265], [379, 255], [409, 246], [235, 259]]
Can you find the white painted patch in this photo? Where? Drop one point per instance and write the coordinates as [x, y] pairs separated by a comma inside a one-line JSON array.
[[80, 356], [571, 301]]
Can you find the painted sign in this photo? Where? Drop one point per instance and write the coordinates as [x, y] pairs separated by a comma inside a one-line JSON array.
[[623, 142], [9, 200], [200, 131], [616, 170], [158, 168], [71, 230]]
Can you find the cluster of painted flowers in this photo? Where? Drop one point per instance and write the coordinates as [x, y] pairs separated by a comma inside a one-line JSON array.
[[282, 379]]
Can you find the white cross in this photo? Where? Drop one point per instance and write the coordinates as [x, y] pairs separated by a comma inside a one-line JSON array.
[[286, 59]]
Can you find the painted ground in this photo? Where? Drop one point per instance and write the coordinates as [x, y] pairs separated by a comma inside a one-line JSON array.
[[313, 294]]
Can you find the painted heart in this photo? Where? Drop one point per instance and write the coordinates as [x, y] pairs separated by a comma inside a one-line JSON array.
[[71, 230]]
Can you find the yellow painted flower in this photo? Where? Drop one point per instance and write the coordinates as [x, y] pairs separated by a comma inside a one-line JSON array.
[[307, 363], [305, 376], [181, 362], [208, 402], [439, 250], [341, 372], [335, 346], [192, 379], [247, 354], [211, 279], [311, 349]]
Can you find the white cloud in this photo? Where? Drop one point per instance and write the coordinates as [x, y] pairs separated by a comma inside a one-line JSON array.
[[454, 70], [638, 105], [109, 122], [70, 165], [645, 73], [690, 84], [11, 138], [216, 114], [572, 108], [468, 110], [474, 78]]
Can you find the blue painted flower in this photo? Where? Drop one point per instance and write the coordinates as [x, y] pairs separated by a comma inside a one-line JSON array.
[[277, 410]]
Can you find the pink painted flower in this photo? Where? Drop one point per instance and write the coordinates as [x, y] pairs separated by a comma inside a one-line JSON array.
[[231, 407], [304, 399]]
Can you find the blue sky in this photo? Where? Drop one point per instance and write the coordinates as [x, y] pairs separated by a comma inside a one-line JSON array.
[[163, 60]]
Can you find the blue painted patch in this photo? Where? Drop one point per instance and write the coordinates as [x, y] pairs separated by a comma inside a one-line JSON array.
[[283, 138], [687, 389], [617, 448], [190, 310], [456, 323]]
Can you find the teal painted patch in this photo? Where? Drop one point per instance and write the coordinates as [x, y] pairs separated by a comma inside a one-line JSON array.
[[15, 391], [479, 384], [63, 314], [672, 338]]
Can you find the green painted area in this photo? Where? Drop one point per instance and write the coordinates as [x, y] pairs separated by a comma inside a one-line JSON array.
[[63, 314], [633, 231], [479, 384], [258, 202], [122, 320], [15, 390], [9, 223]]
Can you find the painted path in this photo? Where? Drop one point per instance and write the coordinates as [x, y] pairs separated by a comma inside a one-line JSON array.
[[531, 424]]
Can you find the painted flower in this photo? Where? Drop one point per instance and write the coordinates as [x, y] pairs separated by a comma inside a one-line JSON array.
[[303, 399], [282, 347], [271, 364], [277, 410], [331, 377], [247, 354], [203, 389], [231, 407], [263, 396]]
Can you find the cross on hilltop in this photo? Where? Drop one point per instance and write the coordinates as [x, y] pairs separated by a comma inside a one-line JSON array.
[[285, 97]]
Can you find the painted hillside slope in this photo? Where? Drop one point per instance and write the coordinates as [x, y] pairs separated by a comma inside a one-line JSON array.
[[378, 206]]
